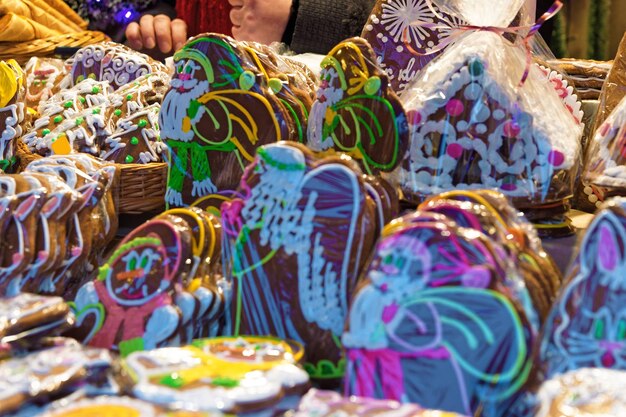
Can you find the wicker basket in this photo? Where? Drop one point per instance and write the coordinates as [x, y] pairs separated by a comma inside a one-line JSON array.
[[23, 51], [141, 186]]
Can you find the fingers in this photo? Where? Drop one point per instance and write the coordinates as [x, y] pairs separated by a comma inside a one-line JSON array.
[[163, 32], [133, 34], [146, 24], [179, 33]]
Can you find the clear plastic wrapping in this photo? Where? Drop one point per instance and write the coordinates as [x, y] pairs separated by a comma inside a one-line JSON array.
[[11, 112], [473, 125]]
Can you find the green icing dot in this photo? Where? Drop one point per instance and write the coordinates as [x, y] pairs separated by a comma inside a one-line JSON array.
[[117, 112], [96, 110], [134, 140], [225, 382], [476, 68], [45, 131], [44, 82], [129, 159], [156, 126], [142, 123], [67, 104], [57, 119], [79, 121], [172, 380], [129, 97], [95, 90], [82, 99], [37, 82]]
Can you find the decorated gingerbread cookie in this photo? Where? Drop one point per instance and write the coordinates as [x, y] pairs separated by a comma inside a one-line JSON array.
[[588, 392], [67, 103], [433, 303], [130, 306], [395, 23], [135, 96], [11, 112], [473, 125], [43, 78], [356, 111], [217, 112], [46, 373], [135, 139], [318, 403], [302, 224], [108, 406], [234, 375], [587, 323], [111, 62], [31, 313]]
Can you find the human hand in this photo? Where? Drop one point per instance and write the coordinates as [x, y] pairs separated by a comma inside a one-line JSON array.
[[152, 31], [262, 21]]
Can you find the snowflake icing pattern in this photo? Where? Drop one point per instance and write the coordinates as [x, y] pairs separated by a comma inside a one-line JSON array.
[[400, 15]]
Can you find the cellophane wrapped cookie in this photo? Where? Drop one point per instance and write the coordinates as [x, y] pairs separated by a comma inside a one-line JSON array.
[[606, 157], [587, 326], [11, 112], [244, 375], [318, 403], [222, 105], [588, 392], [156, 288], [43, 79], [474, 124], [356, 112], [296, 239], [434, 320]]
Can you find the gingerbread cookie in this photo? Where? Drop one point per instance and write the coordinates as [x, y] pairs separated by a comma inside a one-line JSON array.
[[588, 392], [43, 78], [111, 62], [45, 374], [217, 112], [356, 111], [471, 127], [302, 224], [11, 112], [586, 327], [234, 375], [433, 303], [108, 406], [32, 314], [135, 96], [130, 305], [317, 403], [606, 156], [136, 139], [393, 24]]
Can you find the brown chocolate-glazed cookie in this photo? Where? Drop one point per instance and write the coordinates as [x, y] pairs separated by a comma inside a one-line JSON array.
[[302, 224], [356, 111], [217, 112]]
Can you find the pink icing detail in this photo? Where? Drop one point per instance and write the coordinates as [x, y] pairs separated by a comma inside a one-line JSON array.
[[477, 277], [556, 158], [17, 258], [42, 255], [131, 319], [454, 150], [76, 251], [608, 255], [454, 107], [604, 129], [511, 129], [389, 312], [608, 360], [414, 117]]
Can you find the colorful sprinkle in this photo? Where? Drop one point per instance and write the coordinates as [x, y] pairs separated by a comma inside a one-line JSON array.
[[45, 132], [68, 104], [117, 112], [225, 382], [142, 123], [556, 158], [95, 90], [476, 68], [414, 117], [79, 121], [96, 110], [511, 129], [134, 140], [57, 119], [454, 107], [173, 381], [454, 150], [83, 100], [129, 97], [129, 159]]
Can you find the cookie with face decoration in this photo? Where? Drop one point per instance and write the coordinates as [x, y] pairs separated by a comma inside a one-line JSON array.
[[356, 111], [301, 224], [43, 77], [130, 305], [11, 111], [234, 375], [216, 113]]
